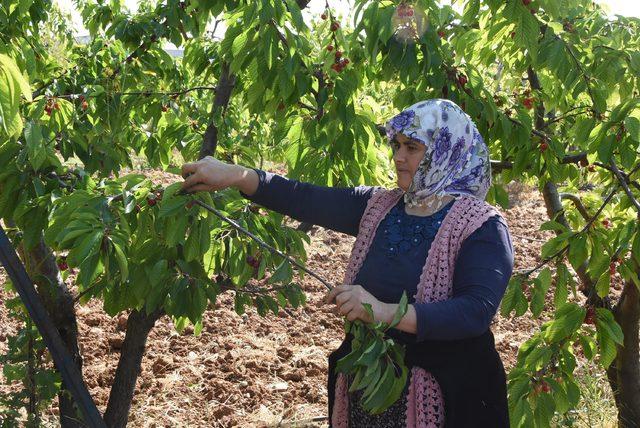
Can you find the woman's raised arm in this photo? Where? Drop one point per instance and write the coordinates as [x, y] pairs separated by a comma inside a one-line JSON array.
[[337, 208]]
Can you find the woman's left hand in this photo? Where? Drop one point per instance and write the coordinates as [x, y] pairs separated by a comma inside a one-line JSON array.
[[349, 299]]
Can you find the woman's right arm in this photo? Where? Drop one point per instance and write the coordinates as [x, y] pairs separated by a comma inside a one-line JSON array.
[[335, 208]]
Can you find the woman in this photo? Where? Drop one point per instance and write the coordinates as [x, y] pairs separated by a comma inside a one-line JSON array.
[[433, 237]]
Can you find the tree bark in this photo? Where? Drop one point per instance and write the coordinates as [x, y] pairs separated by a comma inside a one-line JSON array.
[[58, 300], [139, 325], [627, 365], [225, 86]]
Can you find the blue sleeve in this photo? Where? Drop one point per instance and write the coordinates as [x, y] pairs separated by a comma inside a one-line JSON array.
[[482, 272], [337, 208]]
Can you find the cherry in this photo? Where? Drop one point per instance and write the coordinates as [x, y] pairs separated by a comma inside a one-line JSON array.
[[334, 26], [137, 208], [252, 261], [592, 168], [190, 204], [281, 106], [528, 103], [323, 16], [165, 108], [47, 109], [612, 268], [441, 34], [330, 48], [513, 34], [346, 60], [151, 202], [84, 105], [526, 2], [81, 98], [543, 147], [533, 11], [63, 265], [410, 12], [56, 106], [338, 54], [606, 223], [462, 79], [463, 105], [584, 162], [545, 387]]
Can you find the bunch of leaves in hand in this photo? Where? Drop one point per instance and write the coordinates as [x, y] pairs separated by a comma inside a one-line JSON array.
[[376, 362]]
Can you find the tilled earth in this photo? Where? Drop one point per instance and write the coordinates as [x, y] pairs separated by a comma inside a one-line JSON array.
[[253, 371]]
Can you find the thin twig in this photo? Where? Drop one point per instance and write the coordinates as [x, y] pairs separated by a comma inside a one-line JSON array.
[[260, 241], [624, 185]]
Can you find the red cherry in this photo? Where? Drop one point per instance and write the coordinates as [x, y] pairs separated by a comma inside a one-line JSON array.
[[62, 265], [56, 106], [346, 61], [612, 268], [323, 16], [606, 223], [441, 34], [338, 54], [543, 147], [526, 2], [334, 26], [190, 204], [410, 12], [545, 387], [165, 108], [151, 202], [528, 103], [584, 162], [81, 98], [592, 168], [281, 106], [462, 79], [252, 261], [330, 48], [84, 105]]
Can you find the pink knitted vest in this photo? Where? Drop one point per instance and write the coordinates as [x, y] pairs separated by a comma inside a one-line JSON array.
[[425, 403]]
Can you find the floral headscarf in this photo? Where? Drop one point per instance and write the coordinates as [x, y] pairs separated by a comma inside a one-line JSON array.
[[456, 161]]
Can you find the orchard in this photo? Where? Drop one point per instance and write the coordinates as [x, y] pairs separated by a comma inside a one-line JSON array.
[[553, 87]]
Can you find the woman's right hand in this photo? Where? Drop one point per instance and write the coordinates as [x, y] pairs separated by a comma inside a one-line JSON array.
[[210, 174]]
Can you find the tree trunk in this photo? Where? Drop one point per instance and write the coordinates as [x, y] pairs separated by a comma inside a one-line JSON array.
[[225, 85], [58, 300], [139, 324], [627, 364], [553, 203]]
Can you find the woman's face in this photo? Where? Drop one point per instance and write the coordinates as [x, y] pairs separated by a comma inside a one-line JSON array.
[[407, 155]]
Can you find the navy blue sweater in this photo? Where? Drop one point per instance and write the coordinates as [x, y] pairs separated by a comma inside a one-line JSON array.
[[398, 253]]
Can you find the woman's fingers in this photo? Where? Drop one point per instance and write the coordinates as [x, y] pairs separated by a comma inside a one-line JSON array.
[[198, 188], [189, 168], [345, 308], [191, 181], [335, 291]]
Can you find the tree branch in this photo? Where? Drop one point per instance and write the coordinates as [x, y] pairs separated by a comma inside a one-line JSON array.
[[624, 185]]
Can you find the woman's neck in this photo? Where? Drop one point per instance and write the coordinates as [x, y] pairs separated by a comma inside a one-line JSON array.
[[428, 207]]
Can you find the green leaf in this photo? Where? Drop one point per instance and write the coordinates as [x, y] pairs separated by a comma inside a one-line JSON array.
[[88, 246], [122, 262], [283, 274], [35, 148], [578, 251], [401, 311], [12, 86]]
